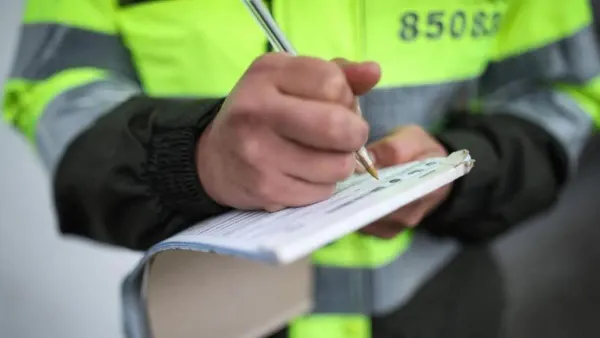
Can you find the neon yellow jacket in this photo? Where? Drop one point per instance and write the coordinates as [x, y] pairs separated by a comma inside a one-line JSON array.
[[527, 68]]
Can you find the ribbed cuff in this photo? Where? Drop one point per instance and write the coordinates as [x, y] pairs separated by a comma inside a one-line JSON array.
[[171, 162]]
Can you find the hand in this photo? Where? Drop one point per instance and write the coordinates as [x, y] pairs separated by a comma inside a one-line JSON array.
[[406, 144], [286, 134]]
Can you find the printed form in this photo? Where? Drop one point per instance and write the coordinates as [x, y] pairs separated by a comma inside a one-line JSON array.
[[293, 233]]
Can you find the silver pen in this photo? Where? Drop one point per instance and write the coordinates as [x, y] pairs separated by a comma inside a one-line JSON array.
[[277, 39]]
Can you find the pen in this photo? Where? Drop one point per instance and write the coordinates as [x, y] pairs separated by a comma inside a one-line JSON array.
[[277, 39]]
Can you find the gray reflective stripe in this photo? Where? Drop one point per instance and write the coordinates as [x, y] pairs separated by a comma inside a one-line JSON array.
[[377, 291], [574, 59], [71, 112], [520, 86], [559, 114], [48, 48], [426, 105]]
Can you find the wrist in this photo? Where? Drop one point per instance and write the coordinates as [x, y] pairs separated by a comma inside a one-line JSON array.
[[172, 161], [205, 164]]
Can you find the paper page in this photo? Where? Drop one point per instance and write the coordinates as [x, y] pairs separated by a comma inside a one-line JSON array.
[[256, 233]]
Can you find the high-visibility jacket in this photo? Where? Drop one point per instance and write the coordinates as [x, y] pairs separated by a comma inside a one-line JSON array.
[[79, 58]]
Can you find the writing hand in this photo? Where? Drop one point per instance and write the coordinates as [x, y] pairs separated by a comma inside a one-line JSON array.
[[286, 134]]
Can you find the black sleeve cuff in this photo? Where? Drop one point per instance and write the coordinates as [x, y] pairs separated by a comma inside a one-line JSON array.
[[171, 163], [518, 173], [130, 179]]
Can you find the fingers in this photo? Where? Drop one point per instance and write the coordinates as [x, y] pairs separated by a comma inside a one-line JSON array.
[[383, 229], [315, 79], [406, 144], [314, 166], [324, 126], [412, 214], [286, 134], [336, 81], [282, 173], [286, 191], [409, 215], [361, 77]]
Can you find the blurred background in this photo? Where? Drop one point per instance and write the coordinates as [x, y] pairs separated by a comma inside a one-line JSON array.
[[64, 288], [49, 286]]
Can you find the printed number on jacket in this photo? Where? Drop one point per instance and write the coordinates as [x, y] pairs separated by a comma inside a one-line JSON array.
[[434, 25]]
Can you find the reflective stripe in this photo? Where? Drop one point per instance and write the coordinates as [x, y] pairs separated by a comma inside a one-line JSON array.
[[587, 96], [515, 86], [574, 59], [49, 48], [25, 101], [52, 61], [426, 105], [558, 113], [379, 290], [71, 112]]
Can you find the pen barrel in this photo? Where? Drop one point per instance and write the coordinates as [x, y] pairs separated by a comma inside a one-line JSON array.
[[266, 21], [280, 43], [363, 158]]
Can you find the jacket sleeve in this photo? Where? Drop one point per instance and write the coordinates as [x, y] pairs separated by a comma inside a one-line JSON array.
[[122, 163], [539, 103]]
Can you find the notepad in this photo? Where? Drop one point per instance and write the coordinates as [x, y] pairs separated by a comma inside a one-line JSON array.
[[287, 235], [254, 256]]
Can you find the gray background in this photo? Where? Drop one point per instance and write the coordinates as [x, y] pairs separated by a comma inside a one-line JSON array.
[[49, 286], [64, 288]]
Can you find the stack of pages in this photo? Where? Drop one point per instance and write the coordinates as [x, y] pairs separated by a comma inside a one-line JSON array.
[[270, 243]]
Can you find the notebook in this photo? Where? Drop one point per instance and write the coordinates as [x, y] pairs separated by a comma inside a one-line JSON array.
[[247, 257]]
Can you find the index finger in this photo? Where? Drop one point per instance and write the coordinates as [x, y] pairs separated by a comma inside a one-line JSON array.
[[320, 125]]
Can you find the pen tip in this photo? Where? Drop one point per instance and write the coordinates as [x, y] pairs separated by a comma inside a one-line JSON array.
[[371, 170]]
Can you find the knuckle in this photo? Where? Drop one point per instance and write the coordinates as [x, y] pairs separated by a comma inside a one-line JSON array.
[[251, 150], [334, 86], [333, 124]]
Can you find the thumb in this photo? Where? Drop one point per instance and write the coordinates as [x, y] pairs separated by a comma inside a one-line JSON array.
[[407, 144], [362, 76], [399, 147]]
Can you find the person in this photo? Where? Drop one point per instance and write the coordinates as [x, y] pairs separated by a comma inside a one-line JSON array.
[[153, 115]]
